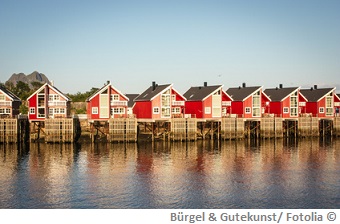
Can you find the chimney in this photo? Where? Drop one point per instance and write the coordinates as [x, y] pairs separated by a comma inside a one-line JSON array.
[[205, 84], [153, 85], [281, 86], [244, 85], [315, 86], [107, 82]]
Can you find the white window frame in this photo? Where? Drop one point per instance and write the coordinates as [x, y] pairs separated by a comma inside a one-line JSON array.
[[117, 110], [2, 97], [207, 110], [321, 110], [32, 110], [286, 110], [155, 110], [247, 110], [114, 97], [5, 111], [94, 110], [176, 110]]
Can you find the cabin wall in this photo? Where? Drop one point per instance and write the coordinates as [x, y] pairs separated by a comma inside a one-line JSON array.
[[194, 107], [143, 109]]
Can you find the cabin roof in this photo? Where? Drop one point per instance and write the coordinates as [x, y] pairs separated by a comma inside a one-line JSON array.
[[199, 93], [241, 93], [132, 98], [52, 87], [314, 95], [279, 94], [11, 95], [102, 89], [152, 92]]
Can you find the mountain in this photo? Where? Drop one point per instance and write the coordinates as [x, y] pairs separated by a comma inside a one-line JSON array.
[[33, 77]]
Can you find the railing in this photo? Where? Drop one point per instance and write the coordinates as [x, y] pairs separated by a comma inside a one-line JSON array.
[[177, 103], [118, 103], [226, 103], [56, 103], [80, 116], [5, 103]]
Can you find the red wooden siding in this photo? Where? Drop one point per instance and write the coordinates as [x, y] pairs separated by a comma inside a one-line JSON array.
[[143, 109]]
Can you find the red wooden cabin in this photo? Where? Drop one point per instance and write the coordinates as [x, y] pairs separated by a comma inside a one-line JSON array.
[[248, 102], [106, 103], [159, 102], [9, 103], [285, 102], [207, 102], [48, 102], [320, 101], [337, 105]]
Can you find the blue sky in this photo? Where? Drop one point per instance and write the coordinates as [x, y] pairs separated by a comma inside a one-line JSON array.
[[81, 44]]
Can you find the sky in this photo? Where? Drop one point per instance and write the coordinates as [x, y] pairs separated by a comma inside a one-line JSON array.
[[82, 44]]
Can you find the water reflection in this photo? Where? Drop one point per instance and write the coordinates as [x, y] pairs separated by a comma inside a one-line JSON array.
[[202, 174]]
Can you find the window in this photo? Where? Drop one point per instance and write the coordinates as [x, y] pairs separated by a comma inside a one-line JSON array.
[[32, 110], [41, 112], [94, 110], [173, 98], [248, 111], [256, 104], [166, 104], [50, 111], [224, 111], [176, 110], [62, 110], [285, 110], [2, 97], [53, 97], [5, 111], [294, 104], [207, 110], [156, 110], [321, 110], [114, 97], [329, 104], [294, 112], [117, 110]]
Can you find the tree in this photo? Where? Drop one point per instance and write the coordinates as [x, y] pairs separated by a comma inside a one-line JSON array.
[[36, 85], [22, 90], [23, 109]]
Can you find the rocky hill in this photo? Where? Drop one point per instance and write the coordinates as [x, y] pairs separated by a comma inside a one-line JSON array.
[[33, 77]]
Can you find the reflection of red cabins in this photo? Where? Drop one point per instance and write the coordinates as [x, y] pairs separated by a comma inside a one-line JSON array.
[[159, 102], [248, 102], [48, 102], [106, 103], [321, 101], [285, 102], [9, 103], [207, 101]]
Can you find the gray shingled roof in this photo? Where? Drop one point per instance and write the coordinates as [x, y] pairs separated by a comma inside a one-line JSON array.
[[241, 93], [9, 93], [278, 94], [132, 98], [198, 93], [314, 95], [148, 94]]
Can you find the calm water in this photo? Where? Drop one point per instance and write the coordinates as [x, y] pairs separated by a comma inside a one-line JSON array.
[[268, 174]]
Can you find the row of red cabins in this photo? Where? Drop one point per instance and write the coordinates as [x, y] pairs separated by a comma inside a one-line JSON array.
[[164, 102]]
